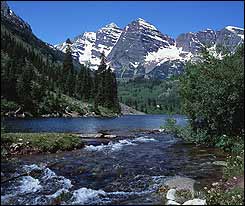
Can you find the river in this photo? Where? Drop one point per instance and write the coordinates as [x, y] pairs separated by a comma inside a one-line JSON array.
[[129, 170]]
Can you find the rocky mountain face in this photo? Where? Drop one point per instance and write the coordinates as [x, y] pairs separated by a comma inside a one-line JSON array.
[[8, 15], [229, 38], [141, 50]]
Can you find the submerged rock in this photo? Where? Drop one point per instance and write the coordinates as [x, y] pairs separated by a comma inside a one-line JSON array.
[[97, 135], [220, 163], [195, 202], [110, 136], [171, 202], [171, 194]]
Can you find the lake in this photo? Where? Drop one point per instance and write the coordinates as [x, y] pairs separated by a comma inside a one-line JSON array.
[[90, 124]]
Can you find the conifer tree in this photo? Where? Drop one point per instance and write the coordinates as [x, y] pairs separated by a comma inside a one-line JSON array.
[[68, 70], [106, 92]]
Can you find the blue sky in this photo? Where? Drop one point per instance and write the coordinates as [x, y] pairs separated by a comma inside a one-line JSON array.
[[54, 21]]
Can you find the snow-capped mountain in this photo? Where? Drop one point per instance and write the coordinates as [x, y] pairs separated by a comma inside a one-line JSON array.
[[87, 48], [141, 50], [229, 37]]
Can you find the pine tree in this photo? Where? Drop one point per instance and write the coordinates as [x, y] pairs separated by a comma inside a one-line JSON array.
[[106, 84], [24, 87], [100, 81], [68, 70]]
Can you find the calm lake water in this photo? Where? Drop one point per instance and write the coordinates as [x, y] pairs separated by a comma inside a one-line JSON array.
[[128, 170], [89, 124]]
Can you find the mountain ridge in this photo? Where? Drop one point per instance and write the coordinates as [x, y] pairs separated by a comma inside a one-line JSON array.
[[141, 50]]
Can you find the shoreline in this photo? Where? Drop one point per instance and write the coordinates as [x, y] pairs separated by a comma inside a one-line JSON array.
[[14, 144], [18, 144], [24, 143]]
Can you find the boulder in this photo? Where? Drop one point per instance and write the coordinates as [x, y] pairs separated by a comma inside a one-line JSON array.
[[220, 163], [171, 202], [195, 202], [97, 135], [181, 183], [110, 136], [171, 194]]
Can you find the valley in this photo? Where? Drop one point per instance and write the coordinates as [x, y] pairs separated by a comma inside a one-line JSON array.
[[118, 115]]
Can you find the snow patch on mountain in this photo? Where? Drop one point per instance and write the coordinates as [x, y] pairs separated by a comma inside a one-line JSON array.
[[170, 53]]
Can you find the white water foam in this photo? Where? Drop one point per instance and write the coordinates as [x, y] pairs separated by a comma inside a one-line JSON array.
[[48, 173], [144, 139], [29, 168], [85, 195], [115, 146], [29, 184], [128, 193], [57, 193], [6, 198], [111, 146]]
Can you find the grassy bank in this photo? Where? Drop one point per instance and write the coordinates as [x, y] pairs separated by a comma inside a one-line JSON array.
[[29, 143], [229, 190]]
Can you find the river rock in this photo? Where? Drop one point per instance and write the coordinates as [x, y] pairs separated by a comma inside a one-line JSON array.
[[171, 194], [195, 202], [110, 136], [220, 163], [95, 141], [181, 183], [171, 202], [97, 135], [161, 130]]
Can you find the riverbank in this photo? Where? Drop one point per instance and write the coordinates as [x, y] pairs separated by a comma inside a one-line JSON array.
[[229, 189], [34, 143]]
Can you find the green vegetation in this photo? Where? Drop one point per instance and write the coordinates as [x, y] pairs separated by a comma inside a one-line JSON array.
[[217, 196], [25, 143], [213, 96], [151, 96], [212, 92], [106, 87], [7, 106], [35, 82], [229, 191]]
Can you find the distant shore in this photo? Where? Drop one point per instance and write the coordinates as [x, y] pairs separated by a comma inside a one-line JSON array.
[[125, 110]]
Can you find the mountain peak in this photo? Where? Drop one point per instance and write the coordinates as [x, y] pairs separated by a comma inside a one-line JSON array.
[[145, 24], [112, 25], [140, 19], [233, 28]]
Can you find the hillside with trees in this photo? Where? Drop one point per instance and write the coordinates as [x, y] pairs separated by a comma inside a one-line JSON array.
[[151, 96], [34, 83]]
